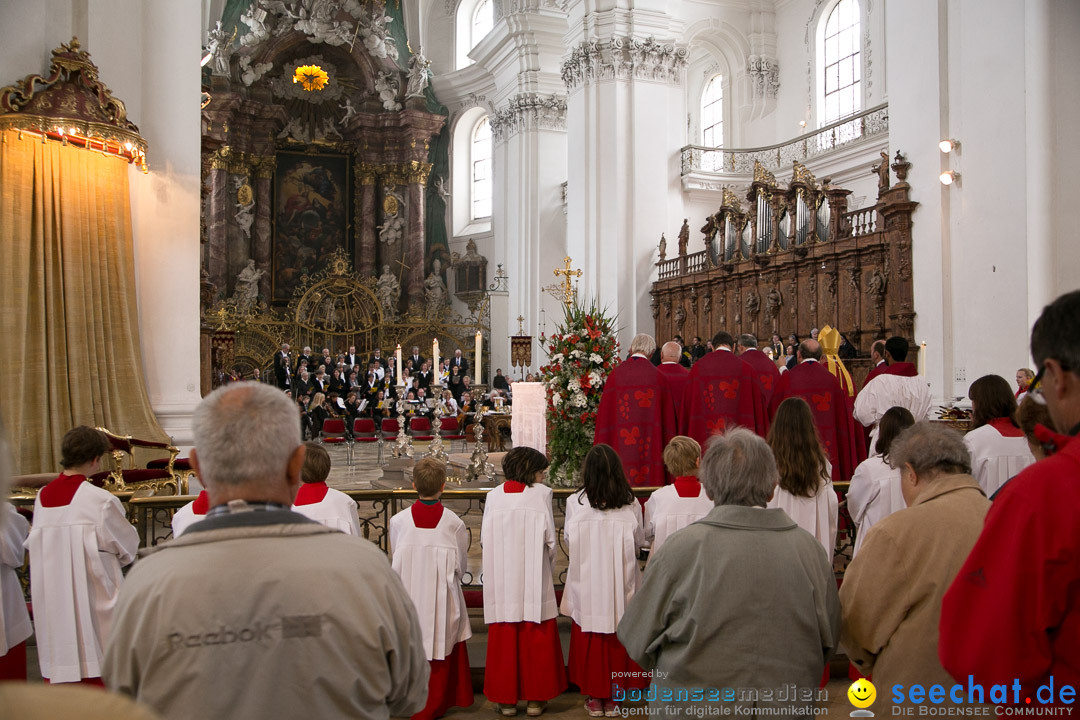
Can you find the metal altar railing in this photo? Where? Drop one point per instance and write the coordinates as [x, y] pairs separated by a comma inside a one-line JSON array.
[[152, 517], [866, 125]]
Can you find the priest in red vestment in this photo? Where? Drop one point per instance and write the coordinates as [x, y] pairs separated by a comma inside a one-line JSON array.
[[674, 374], [765, 371], [636, 415], [877, 357], [722, 393], [811, 381]]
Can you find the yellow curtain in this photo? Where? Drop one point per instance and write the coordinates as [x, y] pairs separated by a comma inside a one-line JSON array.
[[69, 332]]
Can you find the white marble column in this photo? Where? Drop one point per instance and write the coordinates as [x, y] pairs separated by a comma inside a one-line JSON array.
[[625, 113]]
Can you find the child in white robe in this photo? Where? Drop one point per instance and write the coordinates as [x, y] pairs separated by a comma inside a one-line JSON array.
[[430, 548], [189, 514], [79, 541], [875, 493], [317, 501], [999, 450], [14, 619], [603, 534], [675, 506], [524, 653], [806, 492]]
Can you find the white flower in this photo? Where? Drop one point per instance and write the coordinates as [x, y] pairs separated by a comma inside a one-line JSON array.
[[557, 359], [574, 385], [595, 378], [556, 399], [577, 354], [579, 400], [594, 358]]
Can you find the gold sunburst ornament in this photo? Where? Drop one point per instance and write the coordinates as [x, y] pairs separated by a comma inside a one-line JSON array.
[[311, 77]]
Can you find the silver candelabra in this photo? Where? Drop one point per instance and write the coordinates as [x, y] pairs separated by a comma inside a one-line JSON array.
[[403, 447]]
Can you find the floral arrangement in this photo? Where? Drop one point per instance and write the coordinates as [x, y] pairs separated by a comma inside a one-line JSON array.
[[581, 354], [311, 77]]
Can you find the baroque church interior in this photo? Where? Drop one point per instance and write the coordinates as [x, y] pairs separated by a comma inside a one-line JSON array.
[[461, 149]]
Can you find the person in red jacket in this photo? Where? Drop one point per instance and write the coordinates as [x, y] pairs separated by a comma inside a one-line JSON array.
[[1013, 612]]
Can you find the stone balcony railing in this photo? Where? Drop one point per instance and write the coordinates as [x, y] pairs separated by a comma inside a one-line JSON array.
[[850, 131]]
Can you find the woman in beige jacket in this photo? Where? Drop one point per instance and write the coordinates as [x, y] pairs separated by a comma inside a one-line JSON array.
[[892, 591]]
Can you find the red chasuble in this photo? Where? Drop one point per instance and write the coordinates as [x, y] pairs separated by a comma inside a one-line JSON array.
[[722, 393], [675, 376], [637, 418], [836, 427], [765, 372]]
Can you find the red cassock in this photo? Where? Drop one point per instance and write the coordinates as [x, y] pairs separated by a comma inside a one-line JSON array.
[[637, 418], [722, 393], [765, 372], [675, 377], [832, 414]]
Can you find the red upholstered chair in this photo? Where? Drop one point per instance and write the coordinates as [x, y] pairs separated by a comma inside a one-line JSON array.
[[363, 431], [333, 433], [420, 428], [451, 431], [124, 473], [389, 428]]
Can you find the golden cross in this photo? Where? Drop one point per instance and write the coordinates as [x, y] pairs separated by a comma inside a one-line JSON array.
[[521, 324], [567, 289]]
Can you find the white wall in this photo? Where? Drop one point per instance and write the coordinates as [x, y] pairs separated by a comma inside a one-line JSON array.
[[147, 55]]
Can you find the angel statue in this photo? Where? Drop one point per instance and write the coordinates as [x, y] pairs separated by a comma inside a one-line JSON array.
[[435, 292], [247, 287]]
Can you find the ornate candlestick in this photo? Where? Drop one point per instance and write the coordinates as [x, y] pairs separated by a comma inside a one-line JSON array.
[[403, 447], [479, 467], [435, 447]]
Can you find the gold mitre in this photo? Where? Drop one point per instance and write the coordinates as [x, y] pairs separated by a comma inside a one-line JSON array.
[[830, 340]]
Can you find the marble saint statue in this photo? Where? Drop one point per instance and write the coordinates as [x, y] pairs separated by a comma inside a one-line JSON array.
[[388, 290], [246, 293]]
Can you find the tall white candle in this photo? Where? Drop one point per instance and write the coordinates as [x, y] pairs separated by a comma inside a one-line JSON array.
[[922, 358], [397, 352], [435, 360], [479, 355]]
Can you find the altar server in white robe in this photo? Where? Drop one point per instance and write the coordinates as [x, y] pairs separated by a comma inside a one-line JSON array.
[[319, 502], [603, 534], [79, 541], [15, 624], [524, 653], [899, 384], [997, 445], [675, 506], [190, 514], [430, 548], [875, 492], [806, 492]]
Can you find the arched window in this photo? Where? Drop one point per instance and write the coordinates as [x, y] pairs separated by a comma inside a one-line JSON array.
[[712, 113], [482, 20], [480, 157], [841, 63]]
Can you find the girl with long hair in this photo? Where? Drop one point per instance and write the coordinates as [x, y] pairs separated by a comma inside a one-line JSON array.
[[997, 445], [805, 492], [604, 534]]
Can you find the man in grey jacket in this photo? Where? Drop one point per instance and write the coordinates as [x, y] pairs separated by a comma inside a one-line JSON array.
[[256, 611], [739, 609]]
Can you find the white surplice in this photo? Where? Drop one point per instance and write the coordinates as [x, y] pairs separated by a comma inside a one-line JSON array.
[[603, 574], [873, 496], [14, 618], [431, 562], [816, 515], [184, 517], [518, 537], [887, 391], [76, 552], [996, 458], [666, 512], [336, 510]]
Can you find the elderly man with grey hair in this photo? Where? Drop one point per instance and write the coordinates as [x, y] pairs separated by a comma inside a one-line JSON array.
[[302, 620], [742, 601], [892, 590], [637, 415]]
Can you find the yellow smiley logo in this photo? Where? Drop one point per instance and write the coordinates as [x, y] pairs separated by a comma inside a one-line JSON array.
[[862, 693]]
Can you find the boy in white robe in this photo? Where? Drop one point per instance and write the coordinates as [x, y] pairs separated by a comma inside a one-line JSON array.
[[675, 506], [323, 504], [524, 653], [430, 548], [14, 619], [79, 541]]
